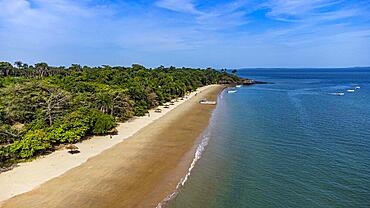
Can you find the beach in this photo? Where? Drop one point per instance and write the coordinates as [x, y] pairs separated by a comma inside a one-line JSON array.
[[139, 167]]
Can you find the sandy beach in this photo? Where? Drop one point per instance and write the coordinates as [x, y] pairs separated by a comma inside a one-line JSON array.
[[118, 172]]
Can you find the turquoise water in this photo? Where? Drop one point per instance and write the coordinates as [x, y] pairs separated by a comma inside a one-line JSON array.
[[288, 144]]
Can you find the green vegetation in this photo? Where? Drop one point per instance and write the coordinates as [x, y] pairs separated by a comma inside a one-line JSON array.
[[42, 106]]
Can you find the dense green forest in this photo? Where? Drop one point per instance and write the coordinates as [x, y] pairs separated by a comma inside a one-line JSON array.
[[43, 106]]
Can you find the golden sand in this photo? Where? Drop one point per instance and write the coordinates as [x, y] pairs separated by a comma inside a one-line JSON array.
[[138, 172]]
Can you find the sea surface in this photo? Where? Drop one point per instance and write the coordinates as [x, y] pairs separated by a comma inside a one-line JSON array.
[[293, 143]]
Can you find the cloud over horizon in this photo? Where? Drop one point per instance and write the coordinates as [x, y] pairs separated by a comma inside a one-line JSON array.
[[237, 33]]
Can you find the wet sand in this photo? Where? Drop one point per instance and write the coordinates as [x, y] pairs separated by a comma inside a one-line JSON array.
[[138, 172], [29, 175]]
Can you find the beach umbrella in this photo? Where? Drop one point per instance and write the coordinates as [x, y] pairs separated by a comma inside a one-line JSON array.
[[72, 148], [113, 131]]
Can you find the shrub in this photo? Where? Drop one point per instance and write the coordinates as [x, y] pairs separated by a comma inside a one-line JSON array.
[[4, 154], [32, 143], [103, 123], [80, 123], [72, 128]]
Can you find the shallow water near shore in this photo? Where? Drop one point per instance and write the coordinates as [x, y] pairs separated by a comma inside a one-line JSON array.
[[289, 144]]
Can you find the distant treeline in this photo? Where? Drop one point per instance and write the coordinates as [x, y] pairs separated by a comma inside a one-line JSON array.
[[43, 106]]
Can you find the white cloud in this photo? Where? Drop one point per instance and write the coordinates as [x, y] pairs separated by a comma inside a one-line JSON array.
[[297, 8], [13, 7], [186, 6], [92, 32]]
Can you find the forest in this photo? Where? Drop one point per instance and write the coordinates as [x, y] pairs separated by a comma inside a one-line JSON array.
[[42, 106]]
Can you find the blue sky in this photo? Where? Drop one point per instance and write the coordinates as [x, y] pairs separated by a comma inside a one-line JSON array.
[[194, 33]]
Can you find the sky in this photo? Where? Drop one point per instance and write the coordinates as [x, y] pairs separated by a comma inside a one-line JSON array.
[[190, 33]]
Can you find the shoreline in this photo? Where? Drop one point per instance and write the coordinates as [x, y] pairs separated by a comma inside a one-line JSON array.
[[172, 114], [191, 158], [29, 175]]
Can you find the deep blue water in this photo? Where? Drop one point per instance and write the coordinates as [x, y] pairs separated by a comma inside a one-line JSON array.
[[287, 144]]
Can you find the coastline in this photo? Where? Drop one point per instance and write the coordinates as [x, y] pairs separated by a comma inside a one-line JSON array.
[[188, 162], [191, 158], [140, 159]]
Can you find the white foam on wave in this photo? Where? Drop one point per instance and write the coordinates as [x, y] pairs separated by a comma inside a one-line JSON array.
[[205, 137], [198, 154]]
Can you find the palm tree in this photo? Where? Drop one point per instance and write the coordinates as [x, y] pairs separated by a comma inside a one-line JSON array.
[[5, 68], [42, 69], [19, 64]]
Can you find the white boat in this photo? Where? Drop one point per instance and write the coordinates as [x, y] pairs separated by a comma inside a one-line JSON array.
[[350, 90], [357, 87], [231, 91], [205, 101], [339, 93], [238, 86]]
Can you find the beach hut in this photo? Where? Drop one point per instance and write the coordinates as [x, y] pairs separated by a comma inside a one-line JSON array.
[[113, 131], [158, 110], [72, 149]]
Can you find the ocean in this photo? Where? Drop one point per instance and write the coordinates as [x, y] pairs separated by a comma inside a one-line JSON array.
[[294, 143]]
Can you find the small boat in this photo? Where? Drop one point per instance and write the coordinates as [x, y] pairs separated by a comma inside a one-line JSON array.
[[238, 86], [231, 91], [357, 87], [205, 101], [339, 93], [350, 90]]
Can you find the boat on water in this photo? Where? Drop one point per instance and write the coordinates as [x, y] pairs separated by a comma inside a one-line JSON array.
[[231, 91], [350, 90], [339, 93], [238, 86], [357, 87]]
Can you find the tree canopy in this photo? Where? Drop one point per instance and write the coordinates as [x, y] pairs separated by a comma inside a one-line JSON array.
[[43, 106]]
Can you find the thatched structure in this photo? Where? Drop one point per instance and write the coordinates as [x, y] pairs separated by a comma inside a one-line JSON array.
[[72, 149]]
